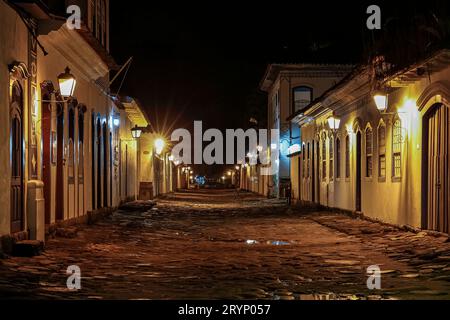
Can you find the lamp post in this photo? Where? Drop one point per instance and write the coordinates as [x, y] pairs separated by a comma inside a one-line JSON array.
[[136, 132]]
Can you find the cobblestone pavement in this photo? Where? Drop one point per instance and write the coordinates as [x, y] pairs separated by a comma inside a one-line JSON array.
[[209, 245]]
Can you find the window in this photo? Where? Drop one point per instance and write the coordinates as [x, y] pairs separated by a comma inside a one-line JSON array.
[[347, 156], [71, 155], [302, 97], [81, 147], [369, 152], [397, 141], [303, 162], [308, 162], [324, 156], [338, 158], [382, 151], [331, 151]]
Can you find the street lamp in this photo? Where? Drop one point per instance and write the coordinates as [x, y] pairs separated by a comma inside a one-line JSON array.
[[136, 132], [334, 123], [67, 83], [381, 100], [159, 145]]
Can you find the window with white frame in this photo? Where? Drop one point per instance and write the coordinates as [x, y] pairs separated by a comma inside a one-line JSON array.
[[338, 158], [324, 156], [382, 151], [369, 152], [303, 162], [331, 152], [397, 140], [347, 156], [302, 97]]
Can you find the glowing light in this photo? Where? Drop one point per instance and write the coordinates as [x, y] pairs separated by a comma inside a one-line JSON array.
[[259, 148], [116, 122], [274, 146], [334, 123], [159, 145], [381, 101], [238, 167], [229, 173], [136, 132], [295, 148], [67, 83]]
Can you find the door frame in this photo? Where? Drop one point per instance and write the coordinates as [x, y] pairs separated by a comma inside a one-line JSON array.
[[16, 110], [425, 163], [358, 176]]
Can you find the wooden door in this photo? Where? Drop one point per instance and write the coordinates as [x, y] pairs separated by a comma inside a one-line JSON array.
[[47, 137], [437, 182], [17, 152]]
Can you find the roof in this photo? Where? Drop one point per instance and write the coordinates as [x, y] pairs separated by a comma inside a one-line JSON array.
[[134, 111], [435, 62], [274, 69]]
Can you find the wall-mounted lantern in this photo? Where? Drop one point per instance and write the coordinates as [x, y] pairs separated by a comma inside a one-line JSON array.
[[381, 100], [334, 123], [67, 83], [136, 132]]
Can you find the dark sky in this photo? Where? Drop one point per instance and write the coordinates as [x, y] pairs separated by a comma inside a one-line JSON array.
[[204, 61]]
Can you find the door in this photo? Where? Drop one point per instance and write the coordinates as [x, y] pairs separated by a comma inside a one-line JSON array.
[[16, 141], [105, 166], [60, 163], [99, 165], [358, 171], [436, 174], [47, 137]]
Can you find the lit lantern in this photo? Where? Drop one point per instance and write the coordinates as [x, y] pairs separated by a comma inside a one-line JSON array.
[[171, 158], [136, 132], [159, 145], [334, 123], [67, 83], [381, 101]]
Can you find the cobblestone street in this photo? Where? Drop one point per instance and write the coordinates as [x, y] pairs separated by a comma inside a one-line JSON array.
[[209, 245]]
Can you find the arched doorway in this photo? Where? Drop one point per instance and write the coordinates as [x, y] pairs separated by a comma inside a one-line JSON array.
[[436, 172], [17, 153]]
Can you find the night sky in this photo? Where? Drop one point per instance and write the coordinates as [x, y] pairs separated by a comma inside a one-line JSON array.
[[204, 61]]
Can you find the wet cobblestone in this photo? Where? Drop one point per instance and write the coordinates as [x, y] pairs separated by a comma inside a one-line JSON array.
[[211, 245]]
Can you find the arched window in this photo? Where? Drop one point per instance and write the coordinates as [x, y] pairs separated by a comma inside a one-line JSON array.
[[397, 140], [382, 151], [369, 152], [347, 156], [338, 158], [302, 97], [331, 152], [324, 156]]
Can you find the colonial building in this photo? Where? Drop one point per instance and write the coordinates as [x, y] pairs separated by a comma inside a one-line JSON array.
[[66, 144], [290, 87], [382, 153]]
